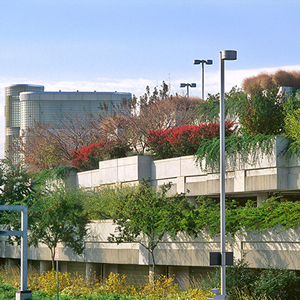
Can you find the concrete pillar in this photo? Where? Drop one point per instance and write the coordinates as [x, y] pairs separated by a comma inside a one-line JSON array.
[[109, 268], [192, 199], [92, 270], [182, 276], [159, 270], [181, 184], [63, 266], [10, 263], [262, 197], [45, 266]]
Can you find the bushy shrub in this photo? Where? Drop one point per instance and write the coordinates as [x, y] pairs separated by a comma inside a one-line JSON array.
[[47, 282], [262, 113], [292, 125], [243, 282], [116, 283], [277, 284], [208, 110], [183, 140], [88, 157], [238, 278], [7, 291], [272, 81]]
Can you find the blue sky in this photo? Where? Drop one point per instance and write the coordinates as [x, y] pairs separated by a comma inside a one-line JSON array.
[[124, 45]]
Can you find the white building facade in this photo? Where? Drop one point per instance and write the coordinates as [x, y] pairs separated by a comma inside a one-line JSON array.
[[27, 104]]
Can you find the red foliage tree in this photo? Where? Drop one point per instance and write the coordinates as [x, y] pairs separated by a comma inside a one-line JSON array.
[[88, 157], [183, 140]]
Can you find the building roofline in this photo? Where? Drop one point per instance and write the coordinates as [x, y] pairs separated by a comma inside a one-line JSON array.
[[15, 85], [72, 92]]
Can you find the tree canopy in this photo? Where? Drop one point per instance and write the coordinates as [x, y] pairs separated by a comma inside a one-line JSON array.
[[59, 217], [56, 214], [146, 216]]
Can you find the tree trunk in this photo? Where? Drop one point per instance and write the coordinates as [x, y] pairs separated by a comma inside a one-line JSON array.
[[52, 258], [152, 273]]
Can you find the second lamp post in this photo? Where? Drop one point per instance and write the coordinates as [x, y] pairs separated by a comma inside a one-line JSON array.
[[187, 85], [203, 61]]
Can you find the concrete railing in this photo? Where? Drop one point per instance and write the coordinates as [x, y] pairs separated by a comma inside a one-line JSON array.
[[269, 173], [269, 248]]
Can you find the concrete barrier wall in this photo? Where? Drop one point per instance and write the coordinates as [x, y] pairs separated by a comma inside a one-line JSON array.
[[269, 173], [261, 250]]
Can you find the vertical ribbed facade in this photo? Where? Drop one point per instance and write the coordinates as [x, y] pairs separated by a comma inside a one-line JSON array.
[[27, 104], [12, 110]]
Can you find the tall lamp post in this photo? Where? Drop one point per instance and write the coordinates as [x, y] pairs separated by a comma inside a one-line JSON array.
[[203, 61], [187, 85], [224, 55]]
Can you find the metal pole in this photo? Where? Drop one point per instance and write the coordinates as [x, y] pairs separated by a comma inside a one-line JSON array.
[[20, 294], [24, 227], [57, 280], [202, 79], [222, 178], [187, 88]]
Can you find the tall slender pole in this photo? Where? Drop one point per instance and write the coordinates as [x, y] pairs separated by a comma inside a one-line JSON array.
[[202, 79], [222, 178], [24, 228], [57, 281], [224, 55]]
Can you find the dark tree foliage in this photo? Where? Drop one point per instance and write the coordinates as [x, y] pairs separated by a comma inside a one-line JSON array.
[[262, 113]]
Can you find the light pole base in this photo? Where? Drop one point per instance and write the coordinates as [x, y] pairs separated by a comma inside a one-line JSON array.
[[23, 295], [220, 297]]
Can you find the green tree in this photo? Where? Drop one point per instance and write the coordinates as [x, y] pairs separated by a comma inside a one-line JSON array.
[[16, 183], [59, 217], [17, 186], [102, 202], [291, 109], [262, 113], [292, 125], [208, 110], [55, 213], [146, 217]]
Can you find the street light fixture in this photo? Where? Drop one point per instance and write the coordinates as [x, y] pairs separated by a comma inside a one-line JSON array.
[[203, 61], [224, 55], [187, 85]]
